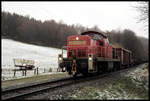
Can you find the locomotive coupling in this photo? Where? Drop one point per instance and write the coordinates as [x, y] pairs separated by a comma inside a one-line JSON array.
[[74, 67]]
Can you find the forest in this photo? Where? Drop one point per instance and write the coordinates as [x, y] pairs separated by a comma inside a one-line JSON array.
[[54, 34]]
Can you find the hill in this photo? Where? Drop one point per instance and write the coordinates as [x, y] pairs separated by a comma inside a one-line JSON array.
[[43, 56]]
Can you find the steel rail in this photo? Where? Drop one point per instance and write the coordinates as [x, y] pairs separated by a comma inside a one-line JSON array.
[[41, 87]]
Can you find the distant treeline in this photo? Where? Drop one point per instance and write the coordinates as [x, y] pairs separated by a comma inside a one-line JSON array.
[[127, 39], [54, 34]]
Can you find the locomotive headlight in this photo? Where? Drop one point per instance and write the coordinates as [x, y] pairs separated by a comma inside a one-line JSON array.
[[90, 58], [60, 58], [64, 69], [77, 38]]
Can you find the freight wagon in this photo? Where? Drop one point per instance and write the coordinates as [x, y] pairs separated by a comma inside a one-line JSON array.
[[124, 56]]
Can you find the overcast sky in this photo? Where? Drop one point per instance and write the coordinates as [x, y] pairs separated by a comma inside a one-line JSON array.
[[106, 15]]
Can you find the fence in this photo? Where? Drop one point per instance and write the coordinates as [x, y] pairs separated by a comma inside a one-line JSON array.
[[9, 73]]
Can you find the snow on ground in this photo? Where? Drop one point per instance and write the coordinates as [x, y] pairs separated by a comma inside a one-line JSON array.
[[127, 87], [44, 57], [140, 76], [137, 78]]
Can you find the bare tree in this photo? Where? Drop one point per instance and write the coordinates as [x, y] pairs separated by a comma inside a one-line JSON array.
[[143, 9]]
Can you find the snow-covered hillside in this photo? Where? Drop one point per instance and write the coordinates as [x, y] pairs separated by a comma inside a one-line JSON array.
[[45, 57]]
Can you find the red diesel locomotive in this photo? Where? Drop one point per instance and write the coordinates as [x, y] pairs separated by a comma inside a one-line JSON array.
[[91, 52]]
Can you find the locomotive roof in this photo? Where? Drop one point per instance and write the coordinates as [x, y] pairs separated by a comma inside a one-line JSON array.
[[88, 32]]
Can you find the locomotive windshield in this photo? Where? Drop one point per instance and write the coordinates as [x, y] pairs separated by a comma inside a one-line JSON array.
[[97, 37]]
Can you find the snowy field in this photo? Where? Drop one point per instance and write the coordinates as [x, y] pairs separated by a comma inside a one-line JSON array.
[[44, 57], [133, 84]]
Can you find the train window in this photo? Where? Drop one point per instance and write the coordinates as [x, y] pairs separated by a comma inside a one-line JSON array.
[[106, 40], [97, 37]]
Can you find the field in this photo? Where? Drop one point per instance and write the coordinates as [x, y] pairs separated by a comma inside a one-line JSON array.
[[44, 57]]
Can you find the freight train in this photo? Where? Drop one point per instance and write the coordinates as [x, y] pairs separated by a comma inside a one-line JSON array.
[[91, 52]]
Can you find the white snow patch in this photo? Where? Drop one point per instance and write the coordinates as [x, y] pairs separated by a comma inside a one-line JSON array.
[[44, 57], [137, 78]]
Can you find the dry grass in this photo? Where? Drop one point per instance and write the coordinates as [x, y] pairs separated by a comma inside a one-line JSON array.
[[32, 79]]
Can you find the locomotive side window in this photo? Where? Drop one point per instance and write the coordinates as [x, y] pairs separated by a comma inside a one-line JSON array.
[[106, 40]]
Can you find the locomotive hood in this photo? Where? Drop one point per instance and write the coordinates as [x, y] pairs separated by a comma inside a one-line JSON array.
[[78, 37]]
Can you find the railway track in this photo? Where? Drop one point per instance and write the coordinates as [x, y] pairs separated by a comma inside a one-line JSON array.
[[18, 92], [21, 92]]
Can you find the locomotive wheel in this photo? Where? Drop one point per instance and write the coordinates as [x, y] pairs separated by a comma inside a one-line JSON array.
[[75, 75], [118, 67], [85, 74], [115, 66], [104, 70], [114, 69], [85, 71], [108, 70], [99, 68]]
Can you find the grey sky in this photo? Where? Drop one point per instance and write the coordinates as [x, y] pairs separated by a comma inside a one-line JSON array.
[[106, 15]]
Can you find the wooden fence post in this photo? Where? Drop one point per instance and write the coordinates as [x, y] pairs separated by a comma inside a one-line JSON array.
[[14, 73], [50, 69], [25, 72], [22, 73], [3, 78], [37, 71], [44, 70], [34, 71]]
